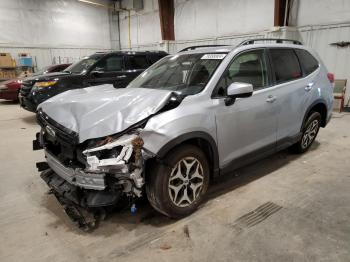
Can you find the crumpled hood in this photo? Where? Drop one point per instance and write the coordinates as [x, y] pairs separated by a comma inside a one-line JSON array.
[[103, 110]]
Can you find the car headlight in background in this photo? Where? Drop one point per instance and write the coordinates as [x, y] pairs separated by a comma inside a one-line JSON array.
[[45, 84]]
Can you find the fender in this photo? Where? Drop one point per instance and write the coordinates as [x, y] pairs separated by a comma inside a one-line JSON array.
[[193, 135], [318, 101]]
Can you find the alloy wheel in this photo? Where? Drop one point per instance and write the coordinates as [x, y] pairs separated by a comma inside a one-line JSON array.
[[186, 181], [310, 134]]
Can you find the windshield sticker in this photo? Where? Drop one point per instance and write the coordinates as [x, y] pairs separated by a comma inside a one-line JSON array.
[[214, 56]]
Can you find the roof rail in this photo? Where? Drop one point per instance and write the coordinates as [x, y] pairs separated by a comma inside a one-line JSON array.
[[198, 46], [278, 40]]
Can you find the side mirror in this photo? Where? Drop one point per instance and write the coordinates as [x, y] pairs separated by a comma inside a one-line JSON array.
[[238, 90]]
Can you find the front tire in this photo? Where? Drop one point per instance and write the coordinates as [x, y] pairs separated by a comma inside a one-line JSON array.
[[176, 187], [309, 133]]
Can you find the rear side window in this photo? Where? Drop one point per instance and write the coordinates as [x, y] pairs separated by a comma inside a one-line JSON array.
[[138, 62], [308, 62], [110, 64], [285, 64]]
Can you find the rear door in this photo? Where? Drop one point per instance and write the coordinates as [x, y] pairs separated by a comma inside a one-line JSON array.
[[109, 70], [291, 92]]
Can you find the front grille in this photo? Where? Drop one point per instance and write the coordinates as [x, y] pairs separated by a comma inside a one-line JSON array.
[[63, 133], [60, 141], [26, 87]]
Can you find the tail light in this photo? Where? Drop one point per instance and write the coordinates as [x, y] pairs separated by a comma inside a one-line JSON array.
[[330, 77]]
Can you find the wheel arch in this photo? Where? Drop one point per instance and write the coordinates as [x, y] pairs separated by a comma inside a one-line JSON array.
[[200, 139], [317, 106]]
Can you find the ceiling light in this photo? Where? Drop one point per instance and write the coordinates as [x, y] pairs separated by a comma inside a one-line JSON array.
[[92, 3]]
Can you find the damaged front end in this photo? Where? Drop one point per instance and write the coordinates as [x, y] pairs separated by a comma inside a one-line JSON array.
[[88, 178]]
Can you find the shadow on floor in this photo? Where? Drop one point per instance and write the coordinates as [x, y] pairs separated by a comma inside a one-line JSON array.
[[8, 102], [146, 215], [30, 119]]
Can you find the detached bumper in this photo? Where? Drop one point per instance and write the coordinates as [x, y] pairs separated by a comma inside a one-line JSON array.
[[69, 194], [83, 207], [74, 176]]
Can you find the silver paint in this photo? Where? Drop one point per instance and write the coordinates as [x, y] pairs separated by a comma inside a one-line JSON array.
[[250, 123], [103, 110]]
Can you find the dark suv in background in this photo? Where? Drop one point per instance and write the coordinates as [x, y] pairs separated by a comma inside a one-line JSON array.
[[117, 68]]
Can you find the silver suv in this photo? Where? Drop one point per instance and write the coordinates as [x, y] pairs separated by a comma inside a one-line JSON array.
[[191, 116]]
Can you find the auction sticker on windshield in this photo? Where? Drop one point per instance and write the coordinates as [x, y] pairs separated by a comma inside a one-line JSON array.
[[213, 56]]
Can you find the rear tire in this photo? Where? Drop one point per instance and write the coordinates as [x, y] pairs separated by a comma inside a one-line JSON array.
[[176, 186], [309, 133]]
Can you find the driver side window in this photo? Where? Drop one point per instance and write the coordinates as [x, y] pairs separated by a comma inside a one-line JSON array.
[[248, 67]]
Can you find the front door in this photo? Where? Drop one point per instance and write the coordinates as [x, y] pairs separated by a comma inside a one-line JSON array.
[[247, 127], [109, 70]]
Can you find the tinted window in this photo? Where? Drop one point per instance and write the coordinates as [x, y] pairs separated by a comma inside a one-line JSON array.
[[308, 62], [286, 64], [249, 67], [155, 57], [84, 64], [138, 62], [112, 63], [58, 68]]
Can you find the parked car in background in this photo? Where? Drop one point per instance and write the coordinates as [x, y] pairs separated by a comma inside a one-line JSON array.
[[51, 69], [189, 117], [9, 89], [117, 68]]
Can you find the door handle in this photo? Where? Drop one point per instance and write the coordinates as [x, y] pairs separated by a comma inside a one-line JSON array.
[[271, 99], [121, 76], [308, 87]]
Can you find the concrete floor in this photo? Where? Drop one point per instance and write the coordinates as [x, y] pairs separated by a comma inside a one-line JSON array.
[[307, 219]]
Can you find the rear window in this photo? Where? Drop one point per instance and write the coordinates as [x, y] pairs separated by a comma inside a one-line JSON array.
[[285, 64], [138, 62], [308, 62]]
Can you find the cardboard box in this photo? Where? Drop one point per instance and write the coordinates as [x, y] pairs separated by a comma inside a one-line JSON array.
[[6, 60], [7, 74]]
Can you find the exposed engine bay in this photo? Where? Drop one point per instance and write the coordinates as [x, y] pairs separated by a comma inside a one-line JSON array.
[[95, 159], [85, 181]]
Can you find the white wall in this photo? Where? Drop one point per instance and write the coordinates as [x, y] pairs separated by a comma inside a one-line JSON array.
[[145, 25], [197, 19], [318, 12], [53, 27]]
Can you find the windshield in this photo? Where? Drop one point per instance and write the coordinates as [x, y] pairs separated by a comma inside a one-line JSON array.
[[83, 65], [186, 74], [41, 71]]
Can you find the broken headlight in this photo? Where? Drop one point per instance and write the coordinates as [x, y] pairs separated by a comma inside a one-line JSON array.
[[114, 156]]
